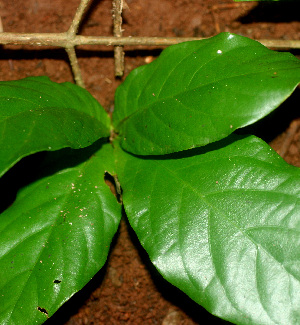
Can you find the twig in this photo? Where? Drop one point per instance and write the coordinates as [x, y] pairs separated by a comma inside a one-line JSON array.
[[71, 34], [63, 40], [69, 40], [75, 66], [78, 17], [216, 8], [118, 50], [1, 25], [215, 19]]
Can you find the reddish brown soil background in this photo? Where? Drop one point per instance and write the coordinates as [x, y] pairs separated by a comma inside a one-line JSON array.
[[128, 290]]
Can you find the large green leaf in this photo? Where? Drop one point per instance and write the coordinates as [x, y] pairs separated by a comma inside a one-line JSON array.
[[37, 114], [199, 92], [222, 223], [54, 238]]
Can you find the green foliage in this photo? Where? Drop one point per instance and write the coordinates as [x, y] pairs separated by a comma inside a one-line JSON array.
[[220, 222], [37, 114], [56, 236], [218, 213], [199, 92]]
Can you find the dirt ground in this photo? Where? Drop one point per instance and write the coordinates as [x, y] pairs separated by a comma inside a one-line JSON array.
[[128, 290]]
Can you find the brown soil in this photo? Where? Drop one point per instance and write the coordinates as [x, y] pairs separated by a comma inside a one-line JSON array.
[[128, 290]]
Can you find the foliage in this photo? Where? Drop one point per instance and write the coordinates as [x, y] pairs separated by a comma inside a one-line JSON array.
[[217, 212]]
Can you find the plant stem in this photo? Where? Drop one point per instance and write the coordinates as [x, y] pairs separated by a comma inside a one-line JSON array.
[[68, 40], [75, 66], [1, 26], [118, 50], [71, 34], [73, 30], [63, 40]]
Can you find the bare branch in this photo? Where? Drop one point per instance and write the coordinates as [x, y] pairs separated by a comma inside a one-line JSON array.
[[1, 26], [62, 40], [118, 50], [280, 44], [40, 39], [69, 40], [75, 66], [70, 49], [78, 17]]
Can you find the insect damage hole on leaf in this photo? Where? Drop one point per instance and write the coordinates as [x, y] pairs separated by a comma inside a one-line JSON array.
[[113, 183], [43, 310], [188, 206]]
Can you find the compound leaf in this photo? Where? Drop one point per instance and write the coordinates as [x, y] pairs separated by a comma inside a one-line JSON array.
[[54, 238], [222, 223], [199, 92], [37, 114]]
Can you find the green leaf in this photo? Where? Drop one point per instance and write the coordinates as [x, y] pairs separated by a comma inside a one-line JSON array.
[[37, 114], [54, 238], [199, 92], [222, 223]]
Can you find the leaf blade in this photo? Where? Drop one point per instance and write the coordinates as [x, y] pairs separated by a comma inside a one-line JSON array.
[[223, 227], [37, 114], [54, 238], [199, 92]]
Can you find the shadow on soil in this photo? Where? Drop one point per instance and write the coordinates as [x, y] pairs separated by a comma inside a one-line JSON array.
[[273, 12], [278, 121]]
